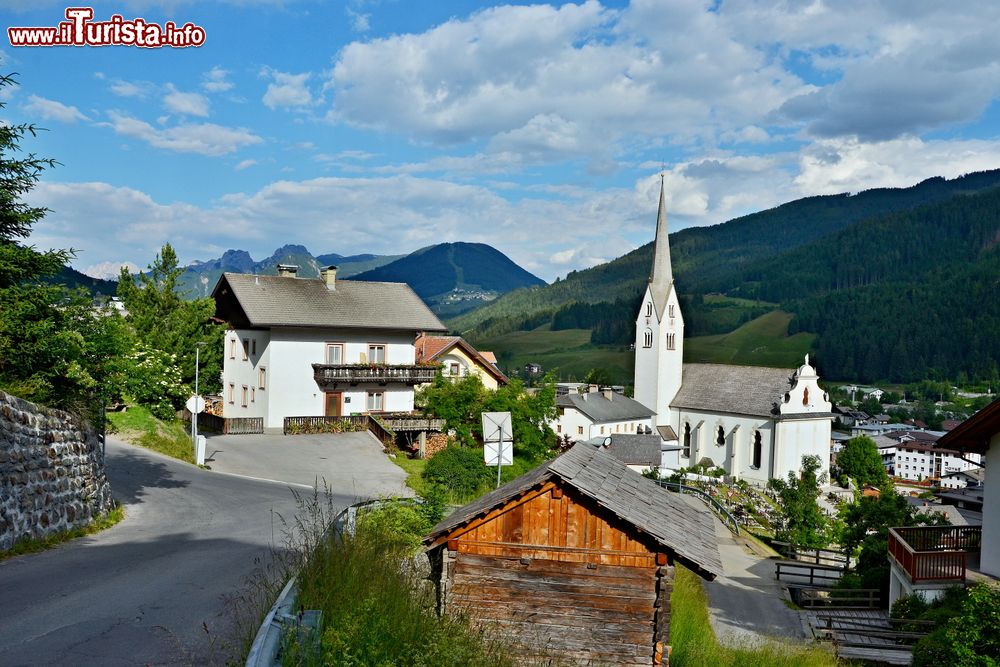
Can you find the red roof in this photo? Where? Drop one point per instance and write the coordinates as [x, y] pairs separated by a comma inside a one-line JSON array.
[[429, 348]]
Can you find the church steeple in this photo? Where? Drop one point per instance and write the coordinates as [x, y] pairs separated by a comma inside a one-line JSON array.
[[661, 277]]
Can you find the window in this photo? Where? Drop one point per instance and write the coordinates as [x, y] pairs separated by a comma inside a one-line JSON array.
[[670, 341], [246, 349], [262, 378], [558, 428], [232, 393], [720, 437], [375, 401], [243, 397], [454, 369], [618, 428], [647, 338], [602, 430], [334, 353], [687, 441], [253, 394], [805, 396], [376, 354], [254, 345], [756, 454], [670, 310], [649, 309], [579, 430], [232, 348]]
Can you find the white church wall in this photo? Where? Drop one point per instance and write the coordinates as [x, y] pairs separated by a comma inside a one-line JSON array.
[[735, 456], [800, 437], [647, 362]]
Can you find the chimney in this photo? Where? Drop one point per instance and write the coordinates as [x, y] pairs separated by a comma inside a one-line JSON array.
[[592, 389], [287, 270], [608, 393], [329, 276]]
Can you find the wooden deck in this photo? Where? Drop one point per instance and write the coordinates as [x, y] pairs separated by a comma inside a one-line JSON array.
[[864, 634]]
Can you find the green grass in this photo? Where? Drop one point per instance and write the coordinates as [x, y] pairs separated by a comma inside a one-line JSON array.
[[414, 472], [760, 342], [139, 427], [567, 352], [34, 545], [694, 643]]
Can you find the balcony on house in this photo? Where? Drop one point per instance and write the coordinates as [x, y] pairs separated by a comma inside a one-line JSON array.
[[333, 374], [927, 559]]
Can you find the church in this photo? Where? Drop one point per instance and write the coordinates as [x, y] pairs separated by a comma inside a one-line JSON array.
[[754, 422]]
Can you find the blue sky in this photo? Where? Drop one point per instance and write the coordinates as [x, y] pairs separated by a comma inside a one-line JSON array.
[[384, 126]]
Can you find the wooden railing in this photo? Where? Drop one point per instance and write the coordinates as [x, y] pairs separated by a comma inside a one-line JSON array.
[[344, 424], [831, 557], [230, 425], [327, 374], [803, 573], [412, 423], [934, 553], [839, 598]]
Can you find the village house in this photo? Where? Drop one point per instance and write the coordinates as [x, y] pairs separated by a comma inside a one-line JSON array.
[[754, 422], [459, 359], [596, 413], [912, 455], [574, 560], [963, 478], [319, 346], [642, 451]]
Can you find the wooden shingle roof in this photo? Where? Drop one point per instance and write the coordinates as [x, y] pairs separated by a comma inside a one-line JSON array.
[[688, 531]]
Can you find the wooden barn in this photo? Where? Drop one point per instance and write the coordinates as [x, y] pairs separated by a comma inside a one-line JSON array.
[[575, 559]]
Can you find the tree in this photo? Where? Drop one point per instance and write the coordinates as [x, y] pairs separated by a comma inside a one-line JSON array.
[[53, 342], [164, 321], [805, 524], [860, 460], [970, 635]]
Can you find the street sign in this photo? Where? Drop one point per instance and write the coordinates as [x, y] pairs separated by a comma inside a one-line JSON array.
[[195, 404], [497, 427], [505, 450]]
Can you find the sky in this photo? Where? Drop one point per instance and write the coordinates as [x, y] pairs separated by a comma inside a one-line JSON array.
[[384, 126]]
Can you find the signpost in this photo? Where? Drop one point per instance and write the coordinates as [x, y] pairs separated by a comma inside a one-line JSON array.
[[498, 440], [196, 405]]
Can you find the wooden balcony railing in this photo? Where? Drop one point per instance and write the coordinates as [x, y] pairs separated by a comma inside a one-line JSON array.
[[934, 553], [328, 374]]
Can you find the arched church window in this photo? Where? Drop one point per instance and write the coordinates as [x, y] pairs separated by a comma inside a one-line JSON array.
[[720, 437], [687, 441], [648, 338], [670, 341], [755, 462], [670, 310], [649, 309], [805, 396]]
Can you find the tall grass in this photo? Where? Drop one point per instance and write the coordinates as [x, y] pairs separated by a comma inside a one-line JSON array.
[[377, 608], [694, 643]]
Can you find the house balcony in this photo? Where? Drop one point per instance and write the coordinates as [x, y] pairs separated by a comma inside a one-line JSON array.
[[935, 554], [331, 375]]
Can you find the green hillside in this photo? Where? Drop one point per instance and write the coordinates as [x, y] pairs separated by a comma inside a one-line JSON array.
[[761, 342]]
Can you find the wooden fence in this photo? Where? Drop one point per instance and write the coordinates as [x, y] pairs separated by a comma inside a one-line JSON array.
[[934, 553], [828, 557], [344, 424], [804, 573], [230, 425], [838, 598]]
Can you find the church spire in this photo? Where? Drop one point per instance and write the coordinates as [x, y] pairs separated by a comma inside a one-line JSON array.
[[662, 275]]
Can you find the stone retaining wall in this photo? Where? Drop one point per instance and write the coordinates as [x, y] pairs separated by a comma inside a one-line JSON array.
[[52, 474]]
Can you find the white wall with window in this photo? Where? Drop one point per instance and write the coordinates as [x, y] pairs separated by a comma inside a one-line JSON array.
[[579, 426], [742, 445], [244, 373]]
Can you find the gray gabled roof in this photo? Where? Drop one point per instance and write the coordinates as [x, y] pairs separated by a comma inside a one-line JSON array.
[[745, 390], [599, 408], [686, 530], [273, 301], [635, 449]]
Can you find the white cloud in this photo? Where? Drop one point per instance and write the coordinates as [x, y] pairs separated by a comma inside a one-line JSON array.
[[202, 138], [215, 80], [190, 104], [52, 110], [286, 90], [109, 270], [244, 165], [137, 89]]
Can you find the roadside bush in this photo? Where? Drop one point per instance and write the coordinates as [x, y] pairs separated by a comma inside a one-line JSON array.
[[460, 470], [968, 634]]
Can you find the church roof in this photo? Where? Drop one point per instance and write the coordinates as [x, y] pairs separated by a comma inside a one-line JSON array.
[[661, 277], [600, 408], [744, 390]]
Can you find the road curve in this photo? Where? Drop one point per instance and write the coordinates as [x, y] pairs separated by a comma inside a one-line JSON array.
[[144, 591]]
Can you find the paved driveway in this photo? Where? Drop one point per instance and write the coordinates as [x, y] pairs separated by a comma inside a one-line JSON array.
[[145, 591], [351, 463]]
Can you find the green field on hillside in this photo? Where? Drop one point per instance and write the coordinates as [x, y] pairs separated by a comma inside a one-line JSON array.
[[760, 342], [568, 353]]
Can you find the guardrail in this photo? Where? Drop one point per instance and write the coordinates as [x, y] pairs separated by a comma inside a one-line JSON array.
[[831, 557], [734, 525], [837, 598], [814, 573]]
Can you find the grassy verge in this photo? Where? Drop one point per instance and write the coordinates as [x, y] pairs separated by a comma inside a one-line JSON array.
[[33, 545], [414, 469], [694, 643], [139, 427]]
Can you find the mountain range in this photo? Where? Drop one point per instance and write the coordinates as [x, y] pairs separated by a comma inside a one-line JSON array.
[[885, 277]]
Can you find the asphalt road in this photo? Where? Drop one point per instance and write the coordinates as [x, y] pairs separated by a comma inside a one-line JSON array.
[[151, 590]]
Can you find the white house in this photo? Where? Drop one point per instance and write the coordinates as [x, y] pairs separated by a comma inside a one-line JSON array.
[[917, 461], [318, 346], [962, 479], [597, 413], [754, 422]]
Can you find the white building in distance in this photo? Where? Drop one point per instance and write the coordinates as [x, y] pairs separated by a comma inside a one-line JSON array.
[[754, 422]]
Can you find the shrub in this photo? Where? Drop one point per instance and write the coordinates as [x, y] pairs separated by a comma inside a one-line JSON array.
[[458, 469]]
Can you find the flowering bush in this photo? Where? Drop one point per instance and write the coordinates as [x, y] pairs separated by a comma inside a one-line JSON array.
[[152, 378]]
